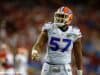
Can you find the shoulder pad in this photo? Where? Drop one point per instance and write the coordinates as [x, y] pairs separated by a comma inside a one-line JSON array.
[[47, 26], [75, 29], [77, 32]]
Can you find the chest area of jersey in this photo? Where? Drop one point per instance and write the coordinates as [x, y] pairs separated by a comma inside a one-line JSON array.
[[58, 40]]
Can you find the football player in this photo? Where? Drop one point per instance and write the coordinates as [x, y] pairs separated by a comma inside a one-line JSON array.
[[61, 39]]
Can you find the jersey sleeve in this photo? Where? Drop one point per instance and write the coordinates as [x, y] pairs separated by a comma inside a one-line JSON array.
[[46, 26], [77, 33]]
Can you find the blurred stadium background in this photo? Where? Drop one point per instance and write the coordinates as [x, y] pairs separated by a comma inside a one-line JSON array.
[[21, 22]]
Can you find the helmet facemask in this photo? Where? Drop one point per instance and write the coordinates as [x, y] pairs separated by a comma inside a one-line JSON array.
[[61, 19]]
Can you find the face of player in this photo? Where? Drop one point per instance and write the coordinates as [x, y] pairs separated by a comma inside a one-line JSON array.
[[61, 19]]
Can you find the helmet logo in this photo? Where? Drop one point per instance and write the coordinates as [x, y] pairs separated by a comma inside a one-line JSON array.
[[65, 9]]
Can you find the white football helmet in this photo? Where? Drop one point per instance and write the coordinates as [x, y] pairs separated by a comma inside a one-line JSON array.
[[63, 16]]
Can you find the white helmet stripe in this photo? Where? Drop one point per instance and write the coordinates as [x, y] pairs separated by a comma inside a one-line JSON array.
[[62, 9]]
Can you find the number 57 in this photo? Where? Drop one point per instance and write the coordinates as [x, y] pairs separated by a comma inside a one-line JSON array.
[[54, 44]]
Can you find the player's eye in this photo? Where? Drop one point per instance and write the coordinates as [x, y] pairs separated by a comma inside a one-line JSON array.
[[60, 15]]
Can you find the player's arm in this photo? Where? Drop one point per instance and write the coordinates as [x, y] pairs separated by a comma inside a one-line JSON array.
[[77, 49], [39, 45]]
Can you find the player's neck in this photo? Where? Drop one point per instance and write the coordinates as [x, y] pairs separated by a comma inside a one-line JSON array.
[[63, 28]]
